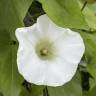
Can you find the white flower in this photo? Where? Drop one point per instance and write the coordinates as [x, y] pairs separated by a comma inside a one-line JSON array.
[[48, 54]]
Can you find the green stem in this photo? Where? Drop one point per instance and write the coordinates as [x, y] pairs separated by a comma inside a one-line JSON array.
[[85, 82], [27, 85], [45, 91], [84, 5]]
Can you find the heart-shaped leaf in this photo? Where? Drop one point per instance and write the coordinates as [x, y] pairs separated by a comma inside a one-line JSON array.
[[65, 13]]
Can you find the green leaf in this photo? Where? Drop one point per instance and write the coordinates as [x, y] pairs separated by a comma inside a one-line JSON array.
[[72, 88], [12, 13], [1, 94], [24, 92], [21, 6], [92, 83], [65, 13], [90, 15], [90, 52], [92, 7], [10, 80], [92, 92], [35, 91]]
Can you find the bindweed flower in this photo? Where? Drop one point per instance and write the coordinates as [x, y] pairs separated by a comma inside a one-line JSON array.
[[48, 54]]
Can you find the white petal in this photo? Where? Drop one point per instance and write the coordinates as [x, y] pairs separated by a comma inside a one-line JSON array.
[[59, 72], [43, 24], [71, 47], [30, 66], [55, 31], [27, 36], [48, 29]]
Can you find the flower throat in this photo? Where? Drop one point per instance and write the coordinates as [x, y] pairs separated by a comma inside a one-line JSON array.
[[45, 49]]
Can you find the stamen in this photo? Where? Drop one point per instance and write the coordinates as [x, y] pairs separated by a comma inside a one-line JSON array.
[[45, 49], [44, 52]]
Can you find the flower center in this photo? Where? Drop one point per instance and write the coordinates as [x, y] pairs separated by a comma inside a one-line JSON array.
[[45, 49], [44, 52]]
